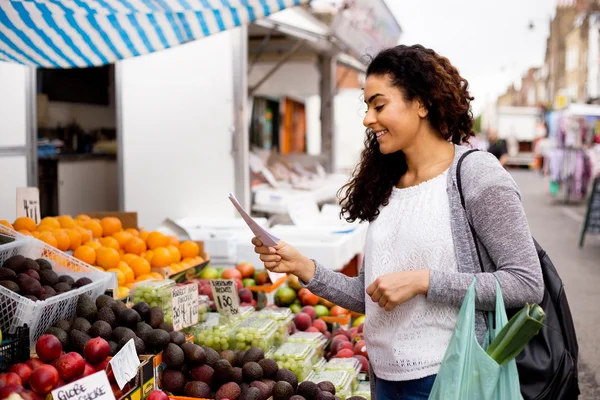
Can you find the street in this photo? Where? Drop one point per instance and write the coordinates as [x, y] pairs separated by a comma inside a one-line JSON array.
[[557, 228]]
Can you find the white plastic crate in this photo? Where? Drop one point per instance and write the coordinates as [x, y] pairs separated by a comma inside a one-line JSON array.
[[16, 310]]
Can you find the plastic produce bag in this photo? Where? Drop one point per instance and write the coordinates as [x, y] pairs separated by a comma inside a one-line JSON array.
[[467, 371]]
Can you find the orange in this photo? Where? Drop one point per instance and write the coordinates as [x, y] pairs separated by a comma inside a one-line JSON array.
[[74, 238], [109, 242], [128, 258], [189, 249], [133, 231], [62, 240], [156, 239], [7, 224], [111, 225], [135, 246], [24, 223], [144, 235], [66, 222], [25, 232], [100, 269], [120, 275], [127, 271], [148, 255], [85, 254], [50, 221], [82, 217], [35, 234], [107, 257], [145, 277], [188, 260], [157, 276], [94, 244], [93, 226], [162, 258], [123, 238], [46, 228], [140, 266], [86, 235], [48, 238], [175, 253], [173, 240]]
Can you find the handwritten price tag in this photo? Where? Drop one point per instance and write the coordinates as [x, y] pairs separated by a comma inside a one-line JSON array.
[[185, 306], [95, 386], [28, 203], [125, 364], [226, 296]]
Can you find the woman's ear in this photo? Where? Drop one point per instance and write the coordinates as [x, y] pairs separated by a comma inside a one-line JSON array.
[[421, 109]]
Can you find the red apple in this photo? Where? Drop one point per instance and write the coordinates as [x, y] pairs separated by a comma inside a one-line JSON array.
[[302, 321], [345, 353], [23, 370], [353, 333], [342, 338], [11, 378], [48, 348], [313, 329], [44, 379], [310, 310], [70, 366], [246, 295], [328, 335], [206, 291], [96, 350], [6, 391], [231, 273], [88, 370], [320, 325], [34, 363], [360, 348], [238, 283], [361, 328], [102, 366], [364, 362], [158, 395]]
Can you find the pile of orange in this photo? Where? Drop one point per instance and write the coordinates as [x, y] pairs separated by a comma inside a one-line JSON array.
[[130, 254]]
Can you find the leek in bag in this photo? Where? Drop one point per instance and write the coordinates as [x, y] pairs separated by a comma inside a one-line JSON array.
[[515, 335]]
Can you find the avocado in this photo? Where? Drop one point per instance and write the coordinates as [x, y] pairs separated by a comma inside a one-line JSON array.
[[43, 264], [177, 337], [7, 274], [140, 346], [288, 376], [104, 301], [64, 325], [223, 371], [106, 314], [269, 367], [254, 354], [78, 340], [156, 317], [194, 354], [114, 347], [46, 296], [49, 290], [173, 356], [16, 263], [82, 282], [66, 279], [143, 309], [230, 391], [102, 329], [122, 332], [157, 339], [129, 318], [237, 375], [86, 308], [239, 358], [165, 326], [31, 297], [48, 277], [252, 371], [31, 265], [10, 285], [62, 287], [251, 393], [211, 356], [282, 391], [265, 390], [173, 381], [82, 325], [141, 328], [197, 389], [29, 286], [203, 373], [326, 386], [60, 334], [118, 306], [296, 397], [309, 390], [329, 396], [229, 355]]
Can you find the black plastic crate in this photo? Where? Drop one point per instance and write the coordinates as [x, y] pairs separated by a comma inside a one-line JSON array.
[[14, 348]]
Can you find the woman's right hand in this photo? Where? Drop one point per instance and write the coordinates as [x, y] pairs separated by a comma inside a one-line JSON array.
[[286, 259]]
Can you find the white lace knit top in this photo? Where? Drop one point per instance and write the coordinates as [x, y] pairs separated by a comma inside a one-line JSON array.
[[411, 233]]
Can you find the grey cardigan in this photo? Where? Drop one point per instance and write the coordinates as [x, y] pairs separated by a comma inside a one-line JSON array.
[[494, 208]]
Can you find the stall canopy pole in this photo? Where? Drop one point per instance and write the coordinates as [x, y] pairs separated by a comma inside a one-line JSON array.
[[327, 87], [31, 124]]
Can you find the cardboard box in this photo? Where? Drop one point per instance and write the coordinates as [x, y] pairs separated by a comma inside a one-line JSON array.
[[144, 381]]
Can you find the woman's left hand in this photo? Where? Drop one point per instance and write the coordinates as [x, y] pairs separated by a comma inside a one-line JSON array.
[[396, 288]]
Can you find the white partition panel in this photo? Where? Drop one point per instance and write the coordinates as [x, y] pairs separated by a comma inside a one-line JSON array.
[[176, 123], [13, 113], [13, 175]]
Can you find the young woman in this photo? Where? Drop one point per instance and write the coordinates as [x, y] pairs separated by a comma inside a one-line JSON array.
[[420, 256]]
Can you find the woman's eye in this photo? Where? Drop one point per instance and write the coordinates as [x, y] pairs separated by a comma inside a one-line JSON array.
[[378, 108]]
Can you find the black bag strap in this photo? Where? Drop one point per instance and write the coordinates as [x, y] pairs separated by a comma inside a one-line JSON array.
[[462, 201]]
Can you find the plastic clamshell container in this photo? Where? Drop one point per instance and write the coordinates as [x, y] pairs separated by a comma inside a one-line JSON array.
[[255, 332], [283, 317], [316, 339], [342, 381], [350, 365], [320, 365], [155, 293], [363, 390], [203, 308], [214, 334], [243, 314], [297, 357]]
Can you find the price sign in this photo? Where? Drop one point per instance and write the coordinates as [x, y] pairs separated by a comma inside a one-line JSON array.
[[185, 306], [95, 386], [28, 203], [125, 364], [226, 296]]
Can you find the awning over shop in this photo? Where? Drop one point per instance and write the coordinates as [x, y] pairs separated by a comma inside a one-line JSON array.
[[81, 33]]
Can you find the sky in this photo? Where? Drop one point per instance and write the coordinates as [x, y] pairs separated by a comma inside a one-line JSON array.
[[489, 41]]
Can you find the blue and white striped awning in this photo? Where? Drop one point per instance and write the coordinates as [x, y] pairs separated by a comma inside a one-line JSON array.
[[85, 33]]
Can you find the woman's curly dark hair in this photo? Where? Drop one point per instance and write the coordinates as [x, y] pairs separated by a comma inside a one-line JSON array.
[[422, 74]]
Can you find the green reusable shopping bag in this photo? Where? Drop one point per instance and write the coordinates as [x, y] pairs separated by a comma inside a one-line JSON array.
[[467, 371]]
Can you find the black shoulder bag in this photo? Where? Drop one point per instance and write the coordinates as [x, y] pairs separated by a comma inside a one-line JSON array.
[[548, 364]]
